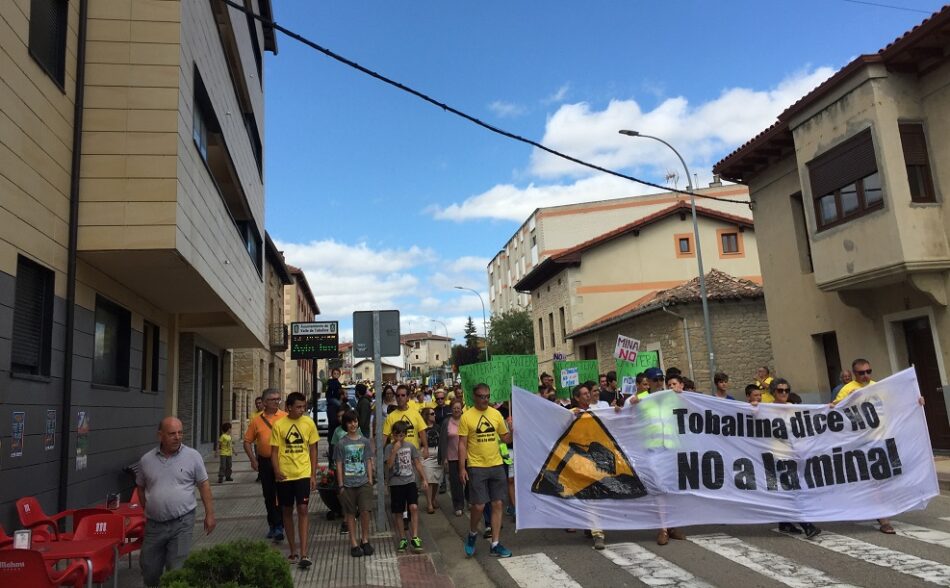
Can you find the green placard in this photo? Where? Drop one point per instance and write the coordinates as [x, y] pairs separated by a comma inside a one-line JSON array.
[[568, 374], [630, 369], [523, 369]]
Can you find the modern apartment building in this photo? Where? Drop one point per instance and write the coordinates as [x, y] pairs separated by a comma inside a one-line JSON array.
[[131, 223], [300, 306], [849, 187], [553, 229]]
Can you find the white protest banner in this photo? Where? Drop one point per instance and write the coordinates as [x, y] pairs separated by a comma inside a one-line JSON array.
[[570, 377], [627, 348], [686, 459]]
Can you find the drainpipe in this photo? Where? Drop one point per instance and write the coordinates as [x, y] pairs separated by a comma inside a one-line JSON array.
[[689, 352], [67, 405]]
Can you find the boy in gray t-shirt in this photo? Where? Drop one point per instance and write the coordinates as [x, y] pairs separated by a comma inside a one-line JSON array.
[[353, 455], [403, 461]]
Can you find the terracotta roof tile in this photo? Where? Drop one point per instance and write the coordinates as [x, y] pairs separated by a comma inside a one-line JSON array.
[[914, 35]]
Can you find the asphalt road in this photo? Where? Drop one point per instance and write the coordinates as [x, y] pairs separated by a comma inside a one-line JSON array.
[[854, 554]]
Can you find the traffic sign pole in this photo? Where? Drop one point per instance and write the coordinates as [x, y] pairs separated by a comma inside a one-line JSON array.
[[380, 465]]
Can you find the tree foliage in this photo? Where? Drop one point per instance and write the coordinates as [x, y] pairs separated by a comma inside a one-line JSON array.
[[511, 334], [471, 334], [464, 355]]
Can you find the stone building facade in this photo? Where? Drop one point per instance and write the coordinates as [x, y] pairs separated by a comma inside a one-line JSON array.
[[671, 323]]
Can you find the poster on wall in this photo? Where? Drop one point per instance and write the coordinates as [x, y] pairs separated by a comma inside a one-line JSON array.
[[82, 441], [49, 438], [16, 443]]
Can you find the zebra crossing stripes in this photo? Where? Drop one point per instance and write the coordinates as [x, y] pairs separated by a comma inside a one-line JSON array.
[[932, 536], [536, 569], [765, 562], [905, 563], [650, 568]]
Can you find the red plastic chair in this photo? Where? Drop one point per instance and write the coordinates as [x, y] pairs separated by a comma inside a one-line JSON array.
[[25, 567], [5, 539], [102, 526], [32, 517], [80, 513]]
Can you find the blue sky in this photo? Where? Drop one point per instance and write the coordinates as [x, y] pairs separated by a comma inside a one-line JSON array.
[[388, 202]]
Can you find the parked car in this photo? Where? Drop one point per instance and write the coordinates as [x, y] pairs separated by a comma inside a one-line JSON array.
[[323, 424]]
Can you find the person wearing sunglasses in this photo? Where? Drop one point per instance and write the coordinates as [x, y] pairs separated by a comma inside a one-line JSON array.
[[861, 369], [781, 390]]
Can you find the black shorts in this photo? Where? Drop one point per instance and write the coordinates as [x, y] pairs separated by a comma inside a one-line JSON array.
[[293, 491], [401, 496]]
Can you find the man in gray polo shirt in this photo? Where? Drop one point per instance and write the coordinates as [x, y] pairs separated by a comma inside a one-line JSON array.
[[167, 479]]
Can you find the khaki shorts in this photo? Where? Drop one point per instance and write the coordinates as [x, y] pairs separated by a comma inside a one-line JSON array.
[[357, 500]]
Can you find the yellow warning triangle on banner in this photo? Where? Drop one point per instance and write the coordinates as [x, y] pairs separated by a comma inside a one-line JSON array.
[[587, 463]]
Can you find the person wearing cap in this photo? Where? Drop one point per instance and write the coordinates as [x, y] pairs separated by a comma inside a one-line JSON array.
[[657, 379]]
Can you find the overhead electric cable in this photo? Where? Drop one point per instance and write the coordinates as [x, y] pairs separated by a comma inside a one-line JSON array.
[[273, 24], [879, 5]]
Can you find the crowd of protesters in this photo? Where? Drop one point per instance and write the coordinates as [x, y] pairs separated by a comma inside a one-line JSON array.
[[434, 444]]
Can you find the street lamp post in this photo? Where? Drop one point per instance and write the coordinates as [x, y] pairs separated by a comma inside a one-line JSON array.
[[443, 326], [699, 250], [484, 322]]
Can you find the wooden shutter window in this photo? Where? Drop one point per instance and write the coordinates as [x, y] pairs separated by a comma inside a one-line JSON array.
[[32, 319], [917, 161], [843, 164]]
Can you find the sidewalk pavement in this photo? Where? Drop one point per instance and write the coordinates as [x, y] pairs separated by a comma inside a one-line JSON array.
[[239, 511]]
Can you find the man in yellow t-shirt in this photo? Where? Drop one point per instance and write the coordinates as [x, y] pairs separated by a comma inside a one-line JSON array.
[[480, 428], [764, 381], [294, 457], [416, 427], [861, 369]]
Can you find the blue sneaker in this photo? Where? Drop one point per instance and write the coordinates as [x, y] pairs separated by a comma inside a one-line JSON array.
[[270, 533], [500, 551], [279, 533], [470, 544]]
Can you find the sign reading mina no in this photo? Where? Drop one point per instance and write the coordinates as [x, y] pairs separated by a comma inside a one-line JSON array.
[[320, 340]]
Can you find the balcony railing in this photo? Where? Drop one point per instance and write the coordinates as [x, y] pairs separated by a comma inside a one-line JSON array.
[[279, 337]]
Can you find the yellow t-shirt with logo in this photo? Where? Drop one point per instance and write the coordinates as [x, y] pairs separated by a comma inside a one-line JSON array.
[[413, 420], [849, 388], [767, 397], [225, 446], [483, 428], [293, 438]]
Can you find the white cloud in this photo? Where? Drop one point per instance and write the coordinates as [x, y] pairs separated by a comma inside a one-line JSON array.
[[558, 96], [349, 277], [504, 109], [699, 132], [358, 258], [702, 134], [510, 202], [470, 263]]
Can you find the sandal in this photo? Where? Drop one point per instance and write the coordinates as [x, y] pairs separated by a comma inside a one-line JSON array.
[[293, 558], [663, 537], [887, 529], [305, 562], [430, 510]]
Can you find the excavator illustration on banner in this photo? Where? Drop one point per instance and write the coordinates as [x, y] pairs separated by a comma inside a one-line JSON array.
[[587, 463]]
